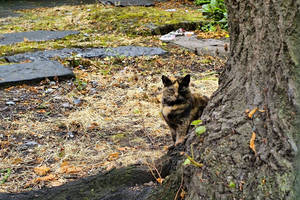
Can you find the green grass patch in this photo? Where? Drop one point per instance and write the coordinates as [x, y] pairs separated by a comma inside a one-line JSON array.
[[99, 25]]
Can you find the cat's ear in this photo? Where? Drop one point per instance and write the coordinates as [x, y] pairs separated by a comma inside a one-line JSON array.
[[166, 81], [186, 81]]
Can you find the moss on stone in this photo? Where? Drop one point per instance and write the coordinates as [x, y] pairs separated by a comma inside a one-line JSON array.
[[99, 25]]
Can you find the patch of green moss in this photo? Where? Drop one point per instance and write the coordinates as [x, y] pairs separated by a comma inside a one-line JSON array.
[[138, 20], [99, 26], [118, 137]]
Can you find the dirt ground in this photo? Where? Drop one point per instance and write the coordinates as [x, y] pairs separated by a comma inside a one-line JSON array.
[[57, 131]]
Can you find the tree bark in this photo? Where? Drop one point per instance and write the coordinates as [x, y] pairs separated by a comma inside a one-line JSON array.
[[262, 72]]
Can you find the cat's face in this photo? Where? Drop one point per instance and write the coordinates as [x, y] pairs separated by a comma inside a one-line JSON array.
[[175, 91]]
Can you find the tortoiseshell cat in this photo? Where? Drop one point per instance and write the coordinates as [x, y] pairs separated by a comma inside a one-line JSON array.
[[180, 107]]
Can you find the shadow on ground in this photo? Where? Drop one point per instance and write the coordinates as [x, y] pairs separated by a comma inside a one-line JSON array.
[[135, 182], [8, 8]]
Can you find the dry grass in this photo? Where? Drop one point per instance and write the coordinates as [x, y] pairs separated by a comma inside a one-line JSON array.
[[116, 123]]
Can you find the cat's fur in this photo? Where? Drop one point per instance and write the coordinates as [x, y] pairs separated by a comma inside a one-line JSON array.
[[180, 107]]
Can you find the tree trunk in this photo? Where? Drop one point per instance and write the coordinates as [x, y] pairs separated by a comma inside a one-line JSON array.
[[262, 73]]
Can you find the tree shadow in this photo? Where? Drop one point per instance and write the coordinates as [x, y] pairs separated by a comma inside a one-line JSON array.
[[119, 184], [134, 182], [8, 8]]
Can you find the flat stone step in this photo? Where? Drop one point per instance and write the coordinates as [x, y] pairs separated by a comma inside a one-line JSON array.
[[40, 66], [35, 71], [132, 51], [211, 47], [123, 3], [12, 38]]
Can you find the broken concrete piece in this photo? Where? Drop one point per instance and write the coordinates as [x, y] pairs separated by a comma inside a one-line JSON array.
[[11, 38], [38, 70], [124, 3], [211, 47]]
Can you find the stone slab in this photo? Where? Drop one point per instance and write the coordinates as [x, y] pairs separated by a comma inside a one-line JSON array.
[[38, 70], [8, 7], [124, 3], [40, 66], [11, 38], [211, 47], [86, 53]]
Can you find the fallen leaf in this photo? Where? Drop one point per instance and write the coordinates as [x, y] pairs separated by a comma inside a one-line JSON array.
[[252, 112], [56, 183], [41, 171], [182, 194], [113, 156], [110, 167], [50, 177], [64, 163], [122, 148], [252, 145], [70, 169], [165, 148], [160, 180], [99, 147], [4, 144], [17, 161]]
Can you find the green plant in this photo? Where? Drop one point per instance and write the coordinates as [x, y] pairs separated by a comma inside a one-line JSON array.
[[7, 173], [199, 129], [80, 84], [215, 10], [201, 2]]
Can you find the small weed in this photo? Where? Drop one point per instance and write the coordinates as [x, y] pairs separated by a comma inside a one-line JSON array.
[[200, 129], [80, 84], [8, 172], [231, 184]]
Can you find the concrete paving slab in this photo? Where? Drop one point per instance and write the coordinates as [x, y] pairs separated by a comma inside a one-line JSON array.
[[40, 65], [124, 3], [211, 47], [8, 8], [11, 38], [86, 53], [35, 71]]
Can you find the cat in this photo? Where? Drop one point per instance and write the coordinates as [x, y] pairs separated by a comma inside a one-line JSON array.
[[179, 107]]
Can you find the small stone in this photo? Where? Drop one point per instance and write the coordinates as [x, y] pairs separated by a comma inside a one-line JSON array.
[[66, 105], [171, 10], [76, 101], [10, 103], [70, 135], [149, 184], [30, 143], [86, 35], [94, 83], [49, 90], [93, 91]]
